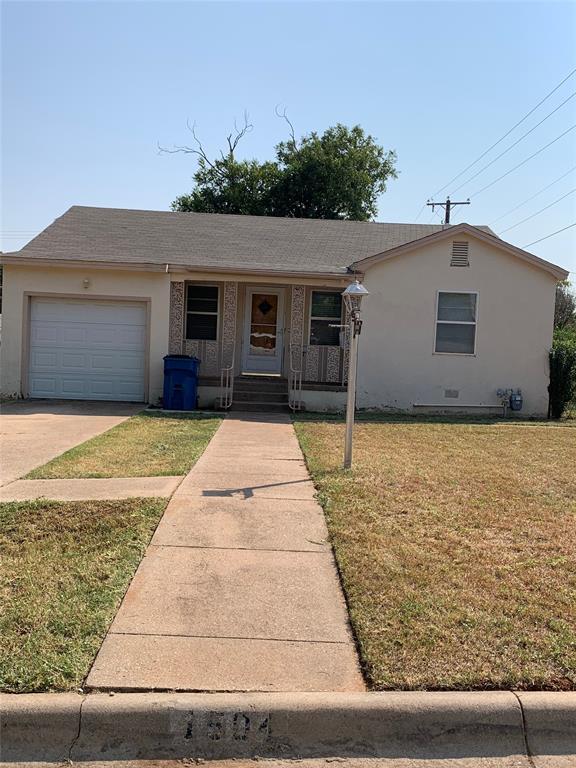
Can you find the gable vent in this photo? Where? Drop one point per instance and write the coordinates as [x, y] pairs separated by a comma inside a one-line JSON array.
[[459, 254]]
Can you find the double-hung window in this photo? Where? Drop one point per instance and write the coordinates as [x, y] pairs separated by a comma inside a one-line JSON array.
[[456, 323], [326, 311], [202, 312]]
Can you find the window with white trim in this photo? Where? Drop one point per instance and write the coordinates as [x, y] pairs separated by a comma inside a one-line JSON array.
[[202, 312], [326, 311], [456, 323]]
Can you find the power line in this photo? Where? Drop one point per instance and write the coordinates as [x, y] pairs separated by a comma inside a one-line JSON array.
[[456, 214], [501, 139], [537, 212], [420, 212], [514, 144], [528, 199], [550, 235], [524, 161]]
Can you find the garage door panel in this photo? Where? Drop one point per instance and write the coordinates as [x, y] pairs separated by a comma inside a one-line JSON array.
[[71, 387], [119, 389], [56, 334], [70, 335], [72, 360], [88, 311], [97, 388], [115, 336], [40, 334], [87, 350], [123, 336], [116, 362], [43, 387], [119, 364], [44, 360], [132, 336]]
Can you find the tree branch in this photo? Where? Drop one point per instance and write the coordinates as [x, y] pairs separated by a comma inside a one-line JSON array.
[[232, 140], [199, 150], [283, 116]]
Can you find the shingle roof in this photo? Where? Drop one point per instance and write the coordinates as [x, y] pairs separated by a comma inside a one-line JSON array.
[[220, 241]]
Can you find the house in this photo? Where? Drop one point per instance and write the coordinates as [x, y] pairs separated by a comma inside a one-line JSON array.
[[95, 301]]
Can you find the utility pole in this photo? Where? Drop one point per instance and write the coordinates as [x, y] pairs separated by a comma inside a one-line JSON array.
[[448, 205]]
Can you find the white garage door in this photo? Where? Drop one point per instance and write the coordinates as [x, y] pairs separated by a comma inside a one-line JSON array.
[[87, 349]]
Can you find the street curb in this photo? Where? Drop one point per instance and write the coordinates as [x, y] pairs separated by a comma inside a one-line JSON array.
[[396, 724], [550, 725]]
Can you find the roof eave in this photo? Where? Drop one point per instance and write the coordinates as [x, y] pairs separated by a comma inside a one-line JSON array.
[[15, 258], [558, 272], [343, 275], [30, 261]]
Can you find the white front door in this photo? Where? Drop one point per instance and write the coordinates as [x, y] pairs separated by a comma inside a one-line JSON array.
[[263, 331]]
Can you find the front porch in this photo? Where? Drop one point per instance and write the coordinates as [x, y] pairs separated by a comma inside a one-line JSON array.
[[262, 346], [263, 393]]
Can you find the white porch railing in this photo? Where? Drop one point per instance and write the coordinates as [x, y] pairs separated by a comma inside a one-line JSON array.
[[296, 356], [227, 385]]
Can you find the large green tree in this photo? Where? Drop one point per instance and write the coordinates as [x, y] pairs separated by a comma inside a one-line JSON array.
[[565, 309], [334, 175], [227, 185]]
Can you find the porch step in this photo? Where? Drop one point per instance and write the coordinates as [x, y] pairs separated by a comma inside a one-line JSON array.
[[239, 405], [248, 395], [259, 384], [260, 393]]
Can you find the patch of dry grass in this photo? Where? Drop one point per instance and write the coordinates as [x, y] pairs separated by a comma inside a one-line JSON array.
[[456, 544], [65, 567], [151, 443]]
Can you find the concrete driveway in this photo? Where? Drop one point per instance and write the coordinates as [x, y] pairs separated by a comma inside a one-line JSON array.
[[33, 432]]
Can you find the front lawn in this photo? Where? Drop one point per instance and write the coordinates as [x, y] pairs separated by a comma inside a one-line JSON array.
[[65, 567], [151, 443], [456, 544]]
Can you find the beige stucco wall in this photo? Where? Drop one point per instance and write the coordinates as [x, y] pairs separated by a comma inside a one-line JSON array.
[[397, 363], [20, 280], [323, 401], [208, 396]]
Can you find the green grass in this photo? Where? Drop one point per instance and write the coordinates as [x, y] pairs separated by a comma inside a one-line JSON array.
[[151, 443], [65, 567], [455, 540]]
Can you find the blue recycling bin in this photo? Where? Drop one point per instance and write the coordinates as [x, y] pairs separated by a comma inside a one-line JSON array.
[[180, 382]]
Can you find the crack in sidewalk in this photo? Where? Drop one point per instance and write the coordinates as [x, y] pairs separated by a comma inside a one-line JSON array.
[[230, 637]]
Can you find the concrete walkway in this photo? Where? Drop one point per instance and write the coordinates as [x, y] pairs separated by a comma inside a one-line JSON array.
[[238, 590], [34, 431], [90, 488]]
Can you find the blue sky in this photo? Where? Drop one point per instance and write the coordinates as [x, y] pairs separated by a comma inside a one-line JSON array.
[[89, 88]]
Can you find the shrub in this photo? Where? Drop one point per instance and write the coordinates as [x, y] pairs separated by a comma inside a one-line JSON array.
[[562, 387]]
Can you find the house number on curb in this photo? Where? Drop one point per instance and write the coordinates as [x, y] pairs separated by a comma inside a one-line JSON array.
[[228, 726]]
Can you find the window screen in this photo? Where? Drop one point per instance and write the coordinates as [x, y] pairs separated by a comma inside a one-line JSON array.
[[202, 312], [456, 323], [326, 310]]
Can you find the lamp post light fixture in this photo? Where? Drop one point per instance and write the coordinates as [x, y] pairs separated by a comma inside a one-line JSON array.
[[353, 296]]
